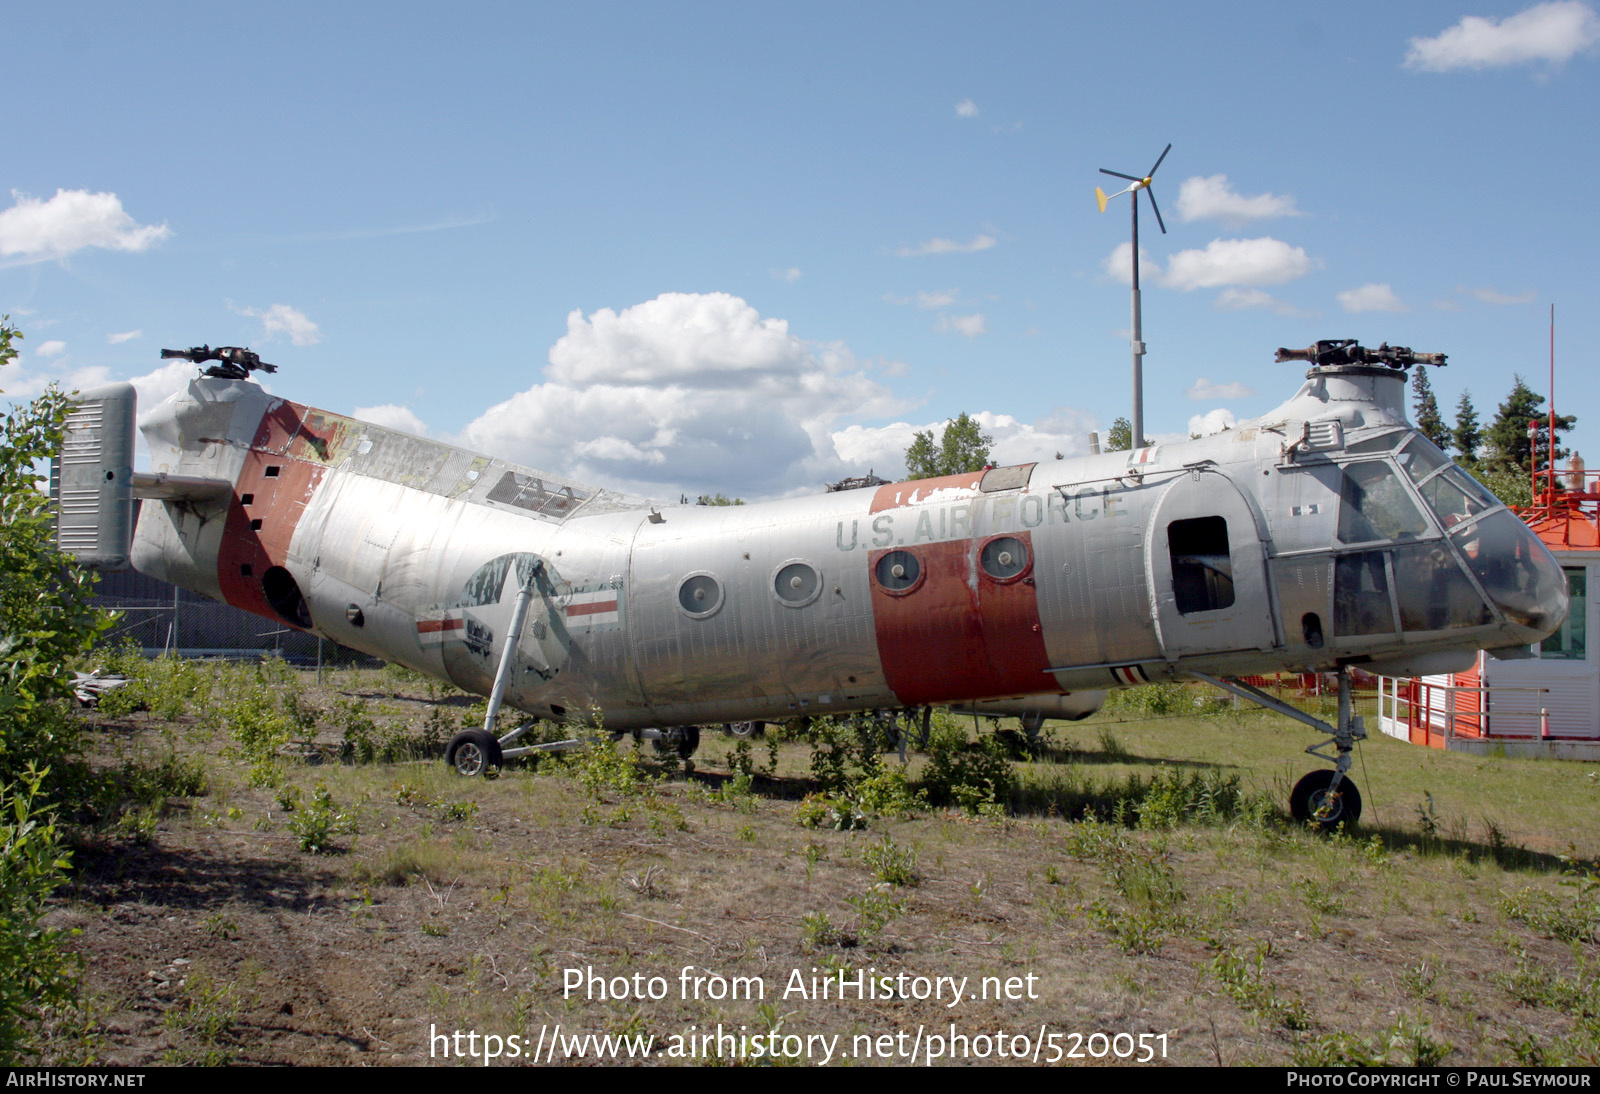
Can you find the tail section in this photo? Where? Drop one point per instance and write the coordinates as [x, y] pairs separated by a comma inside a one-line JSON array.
[[91, 481]]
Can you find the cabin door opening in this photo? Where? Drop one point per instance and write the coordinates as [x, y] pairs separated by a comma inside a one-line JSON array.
[[1207, 568]]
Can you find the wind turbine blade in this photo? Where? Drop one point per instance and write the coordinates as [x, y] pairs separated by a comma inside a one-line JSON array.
[[1154, 206], [1120, 175], [1100, 196], [1163, 156]]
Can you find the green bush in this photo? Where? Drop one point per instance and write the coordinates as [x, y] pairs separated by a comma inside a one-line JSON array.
[[316, 824], [48, 623], [889, 794], [844, 751], [37, 972], [1207, 796], [965, 772]]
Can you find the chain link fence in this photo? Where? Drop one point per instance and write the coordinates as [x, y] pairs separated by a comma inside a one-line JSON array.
[[162, 618]]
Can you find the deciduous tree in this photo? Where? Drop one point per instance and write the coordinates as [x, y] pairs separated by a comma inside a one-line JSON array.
[[1119, 438], [962, 447], [47, 621]]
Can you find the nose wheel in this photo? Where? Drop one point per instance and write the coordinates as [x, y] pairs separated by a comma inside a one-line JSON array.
[[1316, 800], [1325, 799]]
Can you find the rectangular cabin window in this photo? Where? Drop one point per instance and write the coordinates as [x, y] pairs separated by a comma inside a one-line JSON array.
[[1202, 571], [272, 471], [1361, 595], [1570, 642]]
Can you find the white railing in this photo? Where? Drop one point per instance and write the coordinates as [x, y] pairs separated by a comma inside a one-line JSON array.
[[1435, 709]]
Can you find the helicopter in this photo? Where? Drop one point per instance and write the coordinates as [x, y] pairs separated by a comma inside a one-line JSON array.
[[1326, 535]]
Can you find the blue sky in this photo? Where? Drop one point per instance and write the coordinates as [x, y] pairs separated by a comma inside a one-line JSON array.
[[750, 248]]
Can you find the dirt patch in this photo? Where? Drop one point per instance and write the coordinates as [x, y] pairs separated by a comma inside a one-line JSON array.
[[544, 906]]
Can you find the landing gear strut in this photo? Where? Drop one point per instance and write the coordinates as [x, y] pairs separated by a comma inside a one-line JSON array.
[[1324, 798]]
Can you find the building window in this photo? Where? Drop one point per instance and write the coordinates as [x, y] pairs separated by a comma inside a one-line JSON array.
[[1570, 642]]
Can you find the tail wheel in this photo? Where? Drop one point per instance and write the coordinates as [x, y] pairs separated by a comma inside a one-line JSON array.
[[1312, 802], [473, 752]]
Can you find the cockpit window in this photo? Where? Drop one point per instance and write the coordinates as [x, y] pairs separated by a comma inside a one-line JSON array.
[[1381, 443], [1514, 568], [1456, 496], [1421, 458], [1374, 505], [1433, 591]]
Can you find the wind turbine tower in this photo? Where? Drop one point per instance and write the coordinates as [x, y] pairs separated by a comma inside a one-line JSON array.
[[1135, 185]]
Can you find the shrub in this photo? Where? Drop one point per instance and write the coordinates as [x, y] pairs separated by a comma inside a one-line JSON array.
[[967, 773], [36, 970]]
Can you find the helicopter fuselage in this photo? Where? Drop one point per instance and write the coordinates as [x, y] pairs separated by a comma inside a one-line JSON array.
[[1327, 533]]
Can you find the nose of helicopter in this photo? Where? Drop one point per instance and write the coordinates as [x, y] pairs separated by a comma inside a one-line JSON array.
[[1518, 573]]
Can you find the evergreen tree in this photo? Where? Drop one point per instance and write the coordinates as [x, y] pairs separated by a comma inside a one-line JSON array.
[[1119, 438], [961, 448], [1466, 435], [1425, 409], [1510, 447]]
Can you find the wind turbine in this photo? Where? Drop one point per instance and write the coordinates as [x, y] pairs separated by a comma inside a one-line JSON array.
[[1135, 185]]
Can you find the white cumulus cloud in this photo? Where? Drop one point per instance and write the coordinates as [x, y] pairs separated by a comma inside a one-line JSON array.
[[969, 325], [1242, 299], [936, 298], [939, 246], [1370, 297], [1552, 33], [392, 416], [1212, 421], [1118, 265], [283, 319], [1492, 296], [966, 108], [687, 393], [1214, 198], [50, 349], [1203, 390], [1246, 262], [35, 229], [125, 336], [883, 448], [22, 384]]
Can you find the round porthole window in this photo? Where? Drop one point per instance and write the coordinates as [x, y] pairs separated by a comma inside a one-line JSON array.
[[797, 583], [700, 595], [1004, 558], [898, 572]]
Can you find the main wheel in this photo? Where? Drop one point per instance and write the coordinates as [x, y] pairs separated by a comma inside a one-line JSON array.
[[1311, 803], [472, 752], [680, 739], [741, 730]]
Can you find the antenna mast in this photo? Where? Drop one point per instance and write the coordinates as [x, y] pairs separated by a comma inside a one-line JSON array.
[[1138, 326]]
